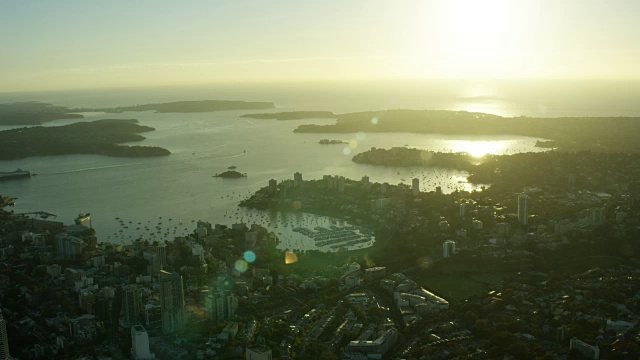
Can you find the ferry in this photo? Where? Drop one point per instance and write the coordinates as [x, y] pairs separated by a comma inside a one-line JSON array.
[[83, 218], [15, 174]]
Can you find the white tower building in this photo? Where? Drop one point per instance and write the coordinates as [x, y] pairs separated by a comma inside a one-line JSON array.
[[448, 248], [140, 344]]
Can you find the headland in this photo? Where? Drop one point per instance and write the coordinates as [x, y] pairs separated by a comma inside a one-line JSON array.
[[99, 137]]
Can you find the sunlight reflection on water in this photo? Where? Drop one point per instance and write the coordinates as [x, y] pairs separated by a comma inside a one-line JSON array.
[[479, 148]]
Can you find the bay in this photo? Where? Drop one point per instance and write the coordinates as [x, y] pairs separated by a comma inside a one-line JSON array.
[[180, 187]]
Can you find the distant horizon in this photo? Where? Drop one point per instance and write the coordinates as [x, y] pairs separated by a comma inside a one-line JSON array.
[[321, 82], [121, 44]]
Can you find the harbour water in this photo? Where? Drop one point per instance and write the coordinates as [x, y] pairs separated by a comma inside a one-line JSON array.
[[180, 187]]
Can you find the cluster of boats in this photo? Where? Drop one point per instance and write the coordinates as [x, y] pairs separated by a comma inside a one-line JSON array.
[[335, 237], [166, 231]]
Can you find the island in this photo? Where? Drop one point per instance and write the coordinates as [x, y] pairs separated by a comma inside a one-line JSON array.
[[231, 174], [293, 115], [33, 113], [610, 134], [99, 137], [187, 106], [331, 142]]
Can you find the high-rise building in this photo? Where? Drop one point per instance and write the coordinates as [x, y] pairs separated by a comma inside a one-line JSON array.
[[140, 344], [215, 303], [273, 185], [132, 304], [341, 181], [587, 351], [258, 352], [156, 255], [160, 251], [448, 248], [68, 246], [523, 211], [503, 229], [365, 183], [332, 182], [463, 209], [232, 305], [171, 301], [415, 186], [221, 306], [297, 180], [4, 340]]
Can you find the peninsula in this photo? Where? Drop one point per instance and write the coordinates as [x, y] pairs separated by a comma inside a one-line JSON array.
[[38, 113], [33, 113], [610, 134], [293, 115], [98, 137], [403, 157], [188, 106]]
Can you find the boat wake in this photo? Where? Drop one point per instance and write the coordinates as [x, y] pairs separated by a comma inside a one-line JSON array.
[[90, 169]]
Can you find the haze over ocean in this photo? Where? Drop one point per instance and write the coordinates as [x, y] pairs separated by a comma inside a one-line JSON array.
[[549, 98]]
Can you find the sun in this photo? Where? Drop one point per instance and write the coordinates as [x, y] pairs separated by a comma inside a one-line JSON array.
[[477, 28], [471, 38]]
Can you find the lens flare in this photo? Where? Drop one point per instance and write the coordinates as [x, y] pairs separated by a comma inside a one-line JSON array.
[[241, 266], [249, 256], [290, 258]]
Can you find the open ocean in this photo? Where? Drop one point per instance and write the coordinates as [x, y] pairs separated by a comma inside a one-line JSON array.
[[147, 192]]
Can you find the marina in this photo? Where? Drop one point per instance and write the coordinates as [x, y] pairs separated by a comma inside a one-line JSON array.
[[336, 237], [295, 230]]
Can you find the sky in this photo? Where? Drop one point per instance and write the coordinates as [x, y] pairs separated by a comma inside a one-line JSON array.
[[65, 44]]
